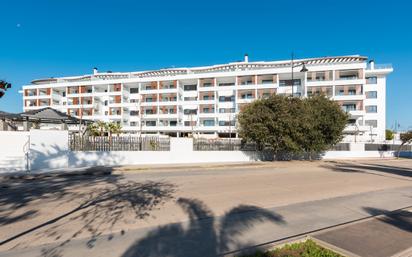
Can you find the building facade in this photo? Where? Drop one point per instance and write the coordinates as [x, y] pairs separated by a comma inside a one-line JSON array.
[[206, 100]]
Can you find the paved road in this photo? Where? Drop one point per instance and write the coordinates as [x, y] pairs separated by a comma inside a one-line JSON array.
[[196, 212]]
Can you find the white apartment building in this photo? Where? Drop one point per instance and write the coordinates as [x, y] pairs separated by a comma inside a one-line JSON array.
[[206, 100]]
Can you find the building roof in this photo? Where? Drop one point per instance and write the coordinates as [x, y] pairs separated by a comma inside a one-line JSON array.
[[8, 115], [242, 65], [44, 115]]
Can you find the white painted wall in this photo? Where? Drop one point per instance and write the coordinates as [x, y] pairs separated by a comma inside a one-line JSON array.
[[13, 150], [49, 151], [357, 154], [181, 151]]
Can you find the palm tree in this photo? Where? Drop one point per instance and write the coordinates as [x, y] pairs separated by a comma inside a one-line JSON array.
[[114, 128], [102, 127], [93, 129]]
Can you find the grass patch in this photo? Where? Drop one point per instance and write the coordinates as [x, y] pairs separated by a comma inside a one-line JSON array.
[[303, 249]]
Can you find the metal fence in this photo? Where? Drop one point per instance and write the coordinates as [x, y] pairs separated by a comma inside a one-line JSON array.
[[118, 143], [222, 144], [386, 147]]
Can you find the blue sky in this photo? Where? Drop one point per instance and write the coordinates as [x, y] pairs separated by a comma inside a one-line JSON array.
[[60, 38]]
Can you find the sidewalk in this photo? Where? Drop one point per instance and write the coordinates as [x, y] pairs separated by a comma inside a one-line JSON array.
[[388, 234]]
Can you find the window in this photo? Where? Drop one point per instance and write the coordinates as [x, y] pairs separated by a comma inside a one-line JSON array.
[[194, 98], [371, 123], [134, 90], [226, 123], [371, 80], [227, 110], [173, 123], [352, 91], [206, 97], [149, 99], [189, 111], [226, 98], [207, 84], [190, 87], [134, 113], [226, 84], [267, 81], [64, 94], [371, 94], [288, 82], [149, 111], [151, 123], [187, 123], [349, 107], [371, 108], [133, 123], [106, 102], [208, 123], [247, 96]]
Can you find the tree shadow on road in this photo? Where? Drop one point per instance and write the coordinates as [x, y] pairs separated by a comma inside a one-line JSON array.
[[202, 237], [102, 209], [401, 219], [19, 191], [374, 169], [98, 202]]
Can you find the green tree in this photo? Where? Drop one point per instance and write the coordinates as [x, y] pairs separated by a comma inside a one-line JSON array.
[[292, 125], [406, 138], [4, 85], [389, 134], [326, 124], [270, 124]]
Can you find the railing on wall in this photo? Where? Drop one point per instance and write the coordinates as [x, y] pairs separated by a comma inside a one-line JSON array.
[[386, 147], [222, 144], [340, 147], [118, 143]]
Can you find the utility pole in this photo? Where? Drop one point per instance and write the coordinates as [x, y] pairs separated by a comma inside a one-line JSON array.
[[139, 105], [292, 72], [230, 130]]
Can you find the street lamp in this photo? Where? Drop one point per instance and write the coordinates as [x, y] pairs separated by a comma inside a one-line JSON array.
[[304, 69]]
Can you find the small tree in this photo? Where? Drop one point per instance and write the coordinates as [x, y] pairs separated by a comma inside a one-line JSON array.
[[406, 138], [3, 87], [389, 134]]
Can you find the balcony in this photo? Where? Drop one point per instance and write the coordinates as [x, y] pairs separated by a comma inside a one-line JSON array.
[[349, 74]]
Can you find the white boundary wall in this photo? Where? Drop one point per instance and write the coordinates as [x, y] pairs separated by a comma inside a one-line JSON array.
[[181, 151], [44, 150], [14, 147]]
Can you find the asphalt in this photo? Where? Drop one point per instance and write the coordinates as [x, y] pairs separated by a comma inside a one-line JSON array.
[[206, 235], [193, 210]]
